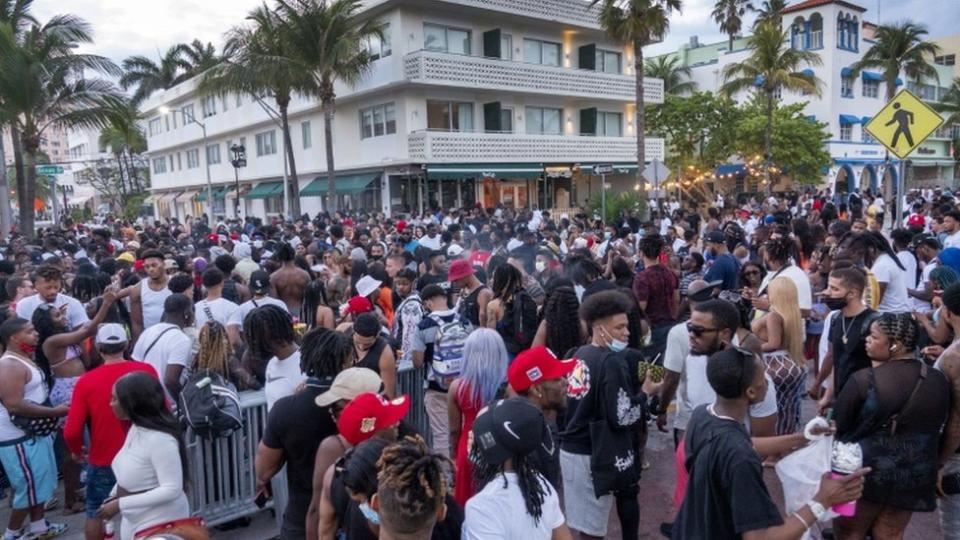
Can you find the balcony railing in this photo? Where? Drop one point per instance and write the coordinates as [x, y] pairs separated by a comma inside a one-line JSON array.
[[470, 147], [429, 67], [572, 12]]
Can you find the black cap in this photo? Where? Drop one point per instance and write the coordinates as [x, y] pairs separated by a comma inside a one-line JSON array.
[[260, 281], [715, 237], [508, 428]]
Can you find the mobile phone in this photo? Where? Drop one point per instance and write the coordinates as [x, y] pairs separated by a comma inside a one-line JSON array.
[[262, 498]]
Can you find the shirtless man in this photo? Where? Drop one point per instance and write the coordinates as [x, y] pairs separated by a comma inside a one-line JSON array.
[[289, 281], [147, 297]]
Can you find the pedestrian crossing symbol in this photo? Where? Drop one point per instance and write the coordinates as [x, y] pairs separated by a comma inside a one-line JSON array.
[[903, 124]]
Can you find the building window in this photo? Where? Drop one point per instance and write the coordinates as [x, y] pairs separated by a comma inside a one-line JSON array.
[[159, 165], [545, 53], [866, 137], [871, 89], [955, 131], [506, 120], [377, 121], [167, 122], [609, 124], [846, 132], [506, 47], [188, 113], [379, 48], [208, 106], [273, 205], [608, 61], [306, 135], [446, 39], [449, 116], [171, 162], [213, 154], [193, 158], [543, 121], [154, 126], [266, 143], [945, 60], [846, 87]]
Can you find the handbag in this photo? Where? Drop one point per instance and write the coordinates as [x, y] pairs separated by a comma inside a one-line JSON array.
[[613, 459], [39, 426], [186, 529]]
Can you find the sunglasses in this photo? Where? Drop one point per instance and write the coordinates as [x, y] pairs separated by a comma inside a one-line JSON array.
[[699, 331]]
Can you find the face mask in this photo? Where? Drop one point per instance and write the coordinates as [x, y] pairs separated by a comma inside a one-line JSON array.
[[369, 513], [28, 349], [541, 266], [607, 235], [615, 344], [835, 303]]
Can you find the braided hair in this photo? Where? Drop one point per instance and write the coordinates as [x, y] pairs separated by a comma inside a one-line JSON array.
[[314, 297], [412, 486], [532, 488], [215, 349], [780, 249], [265, 326], [563, 324], [899, 327], [324, 353], [86, 287], [867, 241], [943, 276]]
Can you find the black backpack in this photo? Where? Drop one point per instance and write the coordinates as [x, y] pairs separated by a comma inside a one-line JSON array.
[[520, 323], [210, 406]]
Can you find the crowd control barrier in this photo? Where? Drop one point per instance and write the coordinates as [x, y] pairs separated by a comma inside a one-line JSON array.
[[410, 383]]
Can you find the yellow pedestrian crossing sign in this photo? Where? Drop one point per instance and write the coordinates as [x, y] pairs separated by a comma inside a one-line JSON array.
[[903, 124]]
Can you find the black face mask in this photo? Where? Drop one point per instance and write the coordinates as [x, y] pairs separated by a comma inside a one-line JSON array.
[[835, 303]]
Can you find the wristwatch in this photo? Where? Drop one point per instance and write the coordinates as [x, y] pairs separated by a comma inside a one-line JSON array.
[[817, 509]]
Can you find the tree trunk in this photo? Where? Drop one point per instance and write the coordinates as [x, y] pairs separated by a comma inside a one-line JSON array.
[[640, 123], [25, 203], [730, 47], [768, 142], [331, 206], [29, 192], [294, 209], [132, 171], [123, 182], [5, 215]]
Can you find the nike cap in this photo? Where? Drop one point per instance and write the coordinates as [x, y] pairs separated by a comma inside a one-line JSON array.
[[510, 428]]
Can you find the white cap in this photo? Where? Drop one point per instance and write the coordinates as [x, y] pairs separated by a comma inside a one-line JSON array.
[[366, 285], [454, 250], [111, 333]]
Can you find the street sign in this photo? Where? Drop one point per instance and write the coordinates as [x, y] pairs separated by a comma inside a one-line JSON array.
[[49, 169], [603, 169], [656, 172], [903, 124]]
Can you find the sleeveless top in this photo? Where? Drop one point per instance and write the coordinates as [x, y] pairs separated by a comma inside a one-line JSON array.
[[151, 302], [35, 391], [469, 308], [371, 360]]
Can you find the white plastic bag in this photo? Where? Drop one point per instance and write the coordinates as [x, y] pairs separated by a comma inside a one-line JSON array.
[[800, 474]]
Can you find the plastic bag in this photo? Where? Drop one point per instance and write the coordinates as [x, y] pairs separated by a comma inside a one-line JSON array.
[[800, 474]]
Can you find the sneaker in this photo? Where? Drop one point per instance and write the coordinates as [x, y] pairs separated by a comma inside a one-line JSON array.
[[18, 535], [53, 530]]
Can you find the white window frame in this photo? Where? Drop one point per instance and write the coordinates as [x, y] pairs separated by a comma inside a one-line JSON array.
[[846, 132], [602, 124], [506, 47], [382, 116], [208, 106], [159, 165], [446, 38], [154, 126], [846, 87], [534, 111], [871, 89], [213, 154], [506, 113], [306, 134], [601, 64], [193, 158], [540, 43], [451, 104], [266, 143], [379, 48], [188, 114]]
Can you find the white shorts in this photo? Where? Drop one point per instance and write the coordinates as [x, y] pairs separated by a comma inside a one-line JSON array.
[[584, 512]]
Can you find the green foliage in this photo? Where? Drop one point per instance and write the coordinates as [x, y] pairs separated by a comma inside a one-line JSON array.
[[697, 125], [676, 78], [798, 142], [131, 209], [899, 47], [631, 201]]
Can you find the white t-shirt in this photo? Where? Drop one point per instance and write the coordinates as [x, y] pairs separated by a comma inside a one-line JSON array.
[[168, 344], [918, 304], [694, 389], [665, 225], [910, 263], [895, 298], [282, 378], [952, 240], [76, 313], [245, 308], [799, 278], [432, 243], [221, 309], [498, 512]]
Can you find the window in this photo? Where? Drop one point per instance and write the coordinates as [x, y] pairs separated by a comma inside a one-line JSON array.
[[273, 205], [154, 126], [306, 135], [167, 122], [175, 120], [159, 165], [446, 39], [171, 162], [871, 89], [506, 47], [506, 120], [377, 121], [449, 116], [193, 158], [945, 60], [609, 124], [266, 143], [955, 131], [543, 121], [846, 87], [608, 61], [866, 137], [541, 52], [846, 132], [208, 106], [188, 115], [213, 154], [379, 48]]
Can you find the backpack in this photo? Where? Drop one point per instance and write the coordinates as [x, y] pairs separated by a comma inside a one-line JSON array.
[[448, 350], [521, 322], [210, 406]]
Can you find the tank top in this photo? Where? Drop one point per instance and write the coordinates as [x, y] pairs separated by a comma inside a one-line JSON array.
[[371, 360], [469, 308], [152, 303], [35, 391]]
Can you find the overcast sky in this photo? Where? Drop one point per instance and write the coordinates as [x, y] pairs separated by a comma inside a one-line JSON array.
[[123, 28]]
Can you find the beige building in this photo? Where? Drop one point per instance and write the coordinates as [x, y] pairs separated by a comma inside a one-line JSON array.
[[54, 145], [949, 51]]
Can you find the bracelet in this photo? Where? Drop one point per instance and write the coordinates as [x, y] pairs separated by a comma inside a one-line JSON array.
[[805, 524]]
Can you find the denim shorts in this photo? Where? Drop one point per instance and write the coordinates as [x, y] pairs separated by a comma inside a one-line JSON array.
[[100, 482]]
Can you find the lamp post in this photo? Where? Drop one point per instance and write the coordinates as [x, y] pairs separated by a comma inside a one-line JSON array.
[[190, 119], [239, 160]]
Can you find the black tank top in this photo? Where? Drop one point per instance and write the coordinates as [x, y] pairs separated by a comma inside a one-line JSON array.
[[372, 359], [470, 307]]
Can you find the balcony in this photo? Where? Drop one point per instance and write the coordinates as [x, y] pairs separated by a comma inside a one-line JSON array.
[[470, 147], [444, 69]]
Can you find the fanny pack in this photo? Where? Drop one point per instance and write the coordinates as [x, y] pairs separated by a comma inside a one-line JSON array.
[[192, 528]]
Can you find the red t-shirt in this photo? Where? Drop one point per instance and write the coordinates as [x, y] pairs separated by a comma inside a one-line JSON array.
[[91, 405]]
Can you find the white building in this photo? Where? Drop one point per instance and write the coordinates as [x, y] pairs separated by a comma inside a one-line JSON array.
[[84, 150], [491, 101], [837, 32]]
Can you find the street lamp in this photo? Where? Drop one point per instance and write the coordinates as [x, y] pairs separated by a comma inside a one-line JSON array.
[[239, 160], [190, 119]]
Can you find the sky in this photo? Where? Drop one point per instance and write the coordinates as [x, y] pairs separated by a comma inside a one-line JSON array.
[[124, 28]]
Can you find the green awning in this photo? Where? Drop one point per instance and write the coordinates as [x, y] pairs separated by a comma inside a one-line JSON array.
[[219, 192], [266, 190], [503, 171], [344, 184]]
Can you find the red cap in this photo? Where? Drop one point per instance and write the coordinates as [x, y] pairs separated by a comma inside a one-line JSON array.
[[138, 265], [369, 413], [459, 269], [234, 236], [214, 237], [916, 220], [401, 225], [358, 305], [536, 365], [348, 222]]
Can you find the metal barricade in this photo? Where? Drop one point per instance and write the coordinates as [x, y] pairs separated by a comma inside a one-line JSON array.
[[410, 382], [222, 479]]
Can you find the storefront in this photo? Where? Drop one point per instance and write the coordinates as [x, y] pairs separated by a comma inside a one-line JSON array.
[[354, 191]]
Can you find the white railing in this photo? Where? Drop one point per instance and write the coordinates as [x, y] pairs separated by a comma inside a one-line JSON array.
[[469, 147], [572, 12], [429, 67]]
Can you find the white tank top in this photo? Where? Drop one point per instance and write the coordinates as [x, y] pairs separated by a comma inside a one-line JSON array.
[[35, 391], [152, 303]]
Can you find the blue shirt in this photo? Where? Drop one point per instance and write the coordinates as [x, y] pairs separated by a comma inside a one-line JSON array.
[[727, 269]]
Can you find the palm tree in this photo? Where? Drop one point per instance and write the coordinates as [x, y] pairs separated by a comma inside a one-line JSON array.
[[329, 42], [42, 81], [200, 56], [899, 47], [669, 69], [729, 15], [637, 22], [950, 104], [124, 137], [769, 11], [148, 76], [770, 68]]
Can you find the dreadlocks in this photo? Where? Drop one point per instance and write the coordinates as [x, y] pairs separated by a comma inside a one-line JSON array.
[[265, 326], [780, 249], [314, 297], [528, 479], [412, 486], [86, 287], [507, 280], [215, 349], [872, 244], [324, 353], [563, 324]]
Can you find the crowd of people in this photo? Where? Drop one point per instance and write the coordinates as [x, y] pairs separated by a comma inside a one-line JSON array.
[[491, 373]]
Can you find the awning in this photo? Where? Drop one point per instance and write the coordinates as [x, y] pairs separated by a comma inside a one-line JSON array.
[[811, 117], [344, 184], [808, 72], [484, 170], [167, 197], [849, 119], [898, 82], [266, 190], [871, 76], [187, 196], [219, 192], [758, 80], [866, 120], [846, 72]]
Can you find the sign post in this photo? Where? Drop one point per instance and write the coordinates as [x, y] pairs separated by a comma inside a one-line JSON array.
[[603, 171], [654, 173]]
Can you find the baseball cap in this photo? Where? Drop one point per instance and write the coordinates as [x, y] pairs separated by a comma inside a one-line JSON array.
[[537, 364], [111, 333], [259, 281], [366, 285], [715, 237], [508, 428], [459, 269], [454, 250], [357, 305], [701, 291], [127, 257], [916, 220], [170, 264], [349, 384], [368, 413]]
